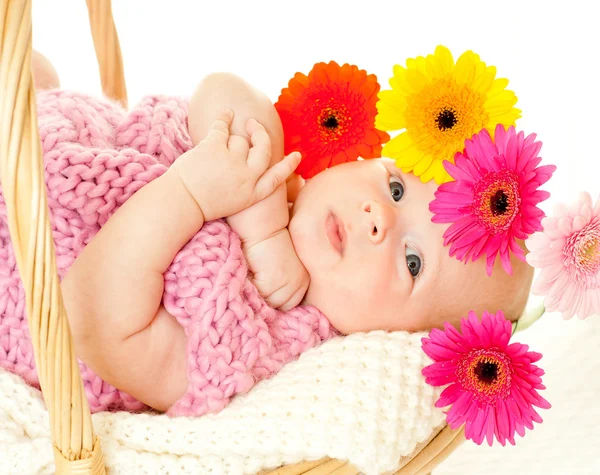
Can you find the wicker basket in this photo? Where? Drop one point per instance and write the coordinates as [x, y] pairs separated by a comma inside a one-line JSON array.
[[77, 449]]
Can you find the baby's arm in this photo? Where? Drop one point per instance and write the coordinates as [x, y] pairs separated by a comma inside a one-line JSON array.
[[113, 290], [278, 273], [113, 293]]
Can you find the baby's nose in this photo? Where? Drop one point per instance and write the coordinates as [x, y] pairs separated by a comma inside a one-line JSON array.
[[379, 218]]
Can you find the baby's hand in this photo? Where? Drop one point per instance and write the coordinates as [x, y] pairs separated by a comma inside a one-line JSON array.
[[279, 275], [225, 175]]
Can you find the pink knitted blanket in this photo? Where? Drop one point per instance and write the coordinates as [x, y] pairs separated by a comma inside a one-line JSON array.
[[96, 156]]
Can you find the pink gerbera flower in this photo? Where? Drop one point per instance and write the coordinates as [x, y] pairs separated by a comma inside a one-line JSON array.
[[568, 252], [493, 201], [493, 386]]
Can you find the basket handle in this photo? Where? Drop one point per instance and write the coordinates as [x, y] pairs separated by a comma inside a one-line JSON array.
[[108, 50], [76, 448]]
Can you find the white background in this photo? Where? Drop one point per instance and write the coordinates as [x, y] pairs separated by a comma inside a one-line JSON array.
[[548, 50]]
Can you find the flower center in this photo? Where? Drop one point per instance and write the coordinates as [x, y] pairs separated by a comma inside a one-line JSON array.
[[443, 114], [583, 249], [446, 119], [487, 374], [333, 122], [497, 200], [499, 203]]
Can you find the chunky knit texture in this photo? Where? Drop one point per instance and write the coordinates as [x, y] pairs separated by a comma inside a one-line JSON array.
[[96, 156], [359, 398]]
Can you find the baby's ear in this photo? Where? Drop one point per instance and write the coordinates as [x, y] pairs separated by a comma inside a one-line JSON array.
[[294, 185]]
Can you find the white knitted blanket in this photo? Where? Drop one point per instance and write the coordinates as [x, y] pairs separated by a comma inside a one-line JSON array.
[[359, 398]]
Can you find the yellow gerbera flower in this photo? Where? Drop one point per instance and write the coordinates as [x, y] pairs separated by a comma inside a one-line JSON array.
[[439, 104]]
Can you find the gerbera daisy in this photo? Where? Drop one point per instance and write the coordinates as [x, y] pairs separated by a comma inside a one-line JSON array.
[[493, 201], [568, 252], [329, 117], [493, 386], [440, 104]]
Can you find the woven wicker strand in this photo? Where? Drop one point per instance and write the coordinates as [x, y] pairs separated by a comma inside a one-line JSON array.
[[434, 453], [108, 50], [21, 169]]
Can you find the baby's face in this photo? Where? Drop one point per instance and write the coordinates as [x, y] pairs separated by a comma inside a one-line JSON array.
[[363, 231]]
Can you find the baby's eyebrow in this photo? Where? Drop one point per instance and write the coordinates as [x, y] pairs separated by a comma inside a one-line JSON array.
[[390, 165]]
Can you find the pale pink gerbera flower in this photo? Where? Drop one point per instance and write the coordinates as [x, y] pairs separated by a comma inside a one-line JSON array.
[[568, 252], [493, 386], [493, 201]]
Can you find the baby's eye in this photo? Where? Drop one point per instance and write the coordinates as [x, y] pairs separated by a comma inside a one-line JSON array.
[[414, 262], [396, 188]]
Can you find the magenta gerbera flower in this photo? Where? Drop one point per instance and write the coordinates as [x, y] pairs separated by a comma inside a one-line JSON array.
[[493, 386], [493, 201], [568, 252]]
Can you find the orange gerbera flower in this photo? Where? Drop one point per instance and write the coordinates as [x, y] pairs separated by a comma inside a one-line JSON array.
[[329, 117]]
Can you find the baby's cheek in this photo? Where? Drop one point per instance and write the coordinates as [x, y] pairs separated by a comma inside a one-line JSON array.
[[368, 305], [389, 305]]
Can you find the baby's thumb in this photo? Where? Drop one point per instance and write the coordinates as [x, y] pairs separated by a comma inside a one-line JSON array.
[[276, 175]]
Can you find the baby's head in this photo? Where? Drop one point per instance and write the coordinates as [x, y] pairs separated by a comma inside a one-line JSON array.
[[363, 231]]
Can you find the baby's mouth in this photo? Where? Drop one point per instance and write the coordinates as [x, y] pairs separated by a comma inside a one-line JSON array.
[[335, 232]]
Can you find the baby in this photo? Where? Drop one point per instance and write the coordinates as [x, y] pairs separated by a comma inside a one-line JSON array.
[[357, 243]]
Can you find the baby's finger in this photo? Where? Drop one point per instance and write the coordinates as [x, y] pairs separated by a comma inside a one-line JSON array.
[[219, 129], [294, 185], [294, 300], [282, 299], [260, 153], [276, 175]]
